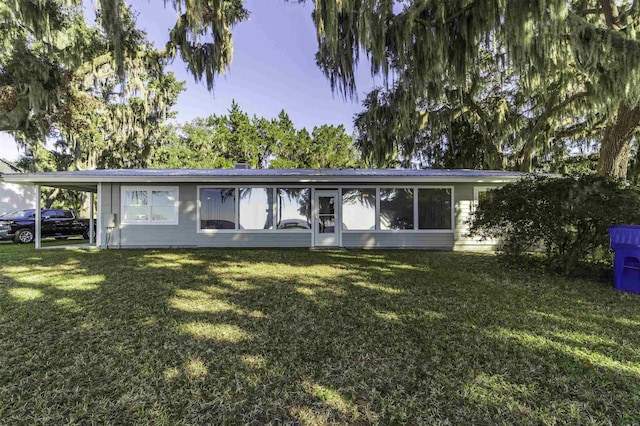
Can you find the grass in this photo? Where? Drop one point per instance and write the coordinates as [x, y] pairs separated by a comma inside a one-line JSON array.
[[272, 336]]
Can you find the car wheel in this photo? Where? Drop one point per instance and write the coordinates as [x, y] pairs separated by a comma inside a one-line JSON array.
[[85, 234], [24, 236]]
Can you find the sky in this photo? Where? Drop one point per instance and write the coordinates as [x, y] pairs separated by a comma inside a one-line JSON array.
[[273, 68]]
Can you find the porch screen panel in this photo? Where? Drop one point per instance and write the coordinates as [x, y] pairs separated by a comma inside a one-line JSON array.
[[396, 208], [294, 208], [358, 209], [434, 208], [136, 205], [256, 208], [217, 208]]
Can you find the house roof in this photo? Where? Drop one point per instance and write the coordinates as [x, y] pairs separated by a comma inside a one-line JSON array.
[[90, 178]]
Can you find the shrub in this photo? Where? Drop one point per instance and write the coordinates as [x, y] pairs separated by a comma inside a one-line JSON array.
[[567, 218]]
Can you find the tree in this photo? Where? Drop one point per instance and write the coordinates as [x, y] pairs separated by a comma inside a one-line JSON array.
[[487, 122], [326, 147], [566, 217], [576, 59], [190, 147], [222, 141], [43, 160], [201, 34], [46, 47], [333, 148], [122, 123], [60, 79], [218, 142]]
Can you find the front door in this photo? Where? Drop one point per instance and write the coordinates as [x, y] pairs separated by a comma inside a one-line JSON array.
[[326, 221]]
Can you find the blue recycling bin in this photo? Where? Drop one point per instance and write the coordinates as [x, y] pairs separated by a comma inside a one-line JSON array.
[[625, 243]]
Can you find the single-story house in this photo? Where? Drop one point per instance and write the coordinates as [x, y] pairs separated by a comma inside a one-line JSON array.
[[353, 208], [12, 196]]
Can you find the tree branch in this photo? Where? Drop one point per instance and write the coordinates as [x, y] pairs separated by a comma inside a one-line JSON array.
[[450, 19], [527, 148], [611, 14], [583, 128]]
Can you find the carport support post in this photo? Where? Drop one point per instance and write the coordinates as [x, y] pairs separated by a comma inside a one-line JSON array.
[[38, 219], [91, 232]]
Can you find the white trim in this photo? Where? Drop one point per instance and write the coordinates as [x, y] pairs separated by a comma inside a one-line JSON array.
[[377, 212], [99, 218], [92, 236], [38, 224], [476, 196], [314, 208], [339, 212], [396, 231], [337, 218], [149, 189], [254, 231], [275, 208], [478, 189], [415, 209], [452, 207], [236, 199], [236, 213]]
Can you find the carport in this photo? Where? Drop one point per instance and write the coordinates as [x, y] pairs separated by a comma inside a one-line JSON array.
[[32, 179]]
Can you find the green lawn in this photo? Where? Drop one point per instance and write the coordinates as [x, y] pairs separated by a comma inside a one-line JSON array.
[[257, 336]]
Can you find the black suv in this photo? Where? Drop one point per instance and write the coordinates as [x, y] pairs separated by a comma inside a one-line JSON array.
[[19, 226]]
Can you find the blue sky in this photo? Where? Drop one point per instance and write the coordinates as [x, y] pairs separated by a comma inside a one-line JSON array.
[[273, 69]]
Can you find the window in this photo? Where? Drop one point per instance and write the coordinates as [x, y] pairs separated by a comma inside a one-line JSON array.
[[136, 206], [434, 208], [256, 208], [66, 214], [479, 194], [358, 209], [217, 208], [150, 205], [396, 208], [49, 214], [162, 205], [22, 214], [294, 208]]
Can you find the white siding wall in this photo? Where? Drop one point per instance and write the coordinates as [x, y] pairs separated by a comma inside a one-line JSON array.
[[15, 197], [464, 195], [185, 233], [399, 239]]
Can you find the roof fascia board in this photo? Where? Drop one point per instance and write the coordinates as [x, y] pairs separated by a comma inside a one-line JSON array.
[[66, 179]]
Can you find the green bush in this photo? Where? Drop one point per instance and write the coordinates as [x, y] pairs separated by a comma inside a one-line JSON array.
[[566, 218]]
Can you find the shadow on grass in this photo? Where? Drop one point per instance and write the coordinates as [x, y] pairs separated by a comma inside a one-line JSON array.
[[257, 336]]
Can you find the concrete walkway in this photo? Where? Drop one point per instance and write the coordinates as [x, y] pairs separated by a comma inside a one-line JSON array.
[[83, 246]]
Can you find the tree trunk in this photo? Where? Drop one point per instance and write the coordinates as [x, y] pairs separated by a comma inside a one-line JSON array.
[[616, 142]]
